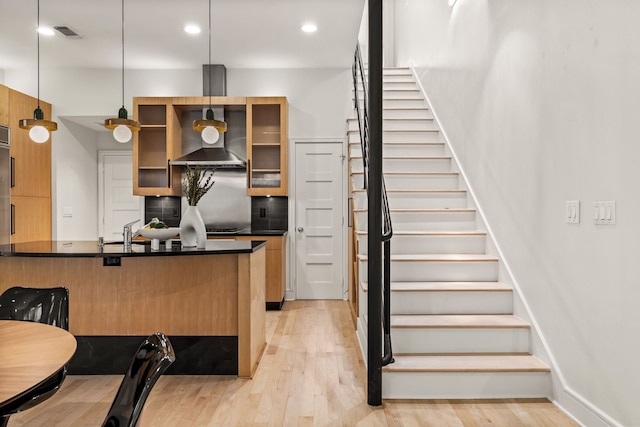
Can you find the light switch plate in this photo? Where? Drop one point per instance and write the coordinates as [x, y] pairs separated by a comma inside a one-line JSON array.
[[572, 211], [67, 212], [604, 213]]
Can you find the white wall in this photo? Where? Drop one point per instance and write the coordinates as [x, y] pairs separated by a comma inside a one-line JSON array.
[[319, 102], [540, 102]]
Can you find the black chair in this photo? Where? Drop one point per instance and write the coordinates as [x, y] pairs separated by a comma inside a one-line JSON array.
[[50, 306], [152, 358]]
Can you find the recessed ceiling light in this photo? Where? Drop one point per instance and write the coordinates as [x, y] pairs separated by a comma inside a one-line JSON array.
[[192, 29], [46, 31], [309, 28]]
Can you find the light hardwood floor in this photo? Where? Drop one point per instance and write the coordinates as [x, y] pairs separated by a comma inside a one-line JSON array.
[[311, 374]]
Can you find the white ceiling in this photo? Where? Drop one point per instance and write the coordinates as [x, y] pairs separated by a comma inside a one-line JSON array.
[[245, 33]]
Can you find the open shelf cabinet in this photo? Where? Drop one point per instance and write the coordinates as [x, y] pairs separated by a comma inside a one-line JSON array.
[[267, 146]]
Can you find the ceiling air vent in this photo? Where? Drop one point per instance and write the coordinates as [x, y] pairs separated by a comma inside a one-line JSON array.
[[68, 32]]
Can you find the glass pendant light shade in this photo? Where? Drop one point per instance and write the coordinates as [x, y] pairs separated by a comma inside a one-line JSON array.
[[39, 134], [210, 135], [38, 127], [209, 127], [122, 127]]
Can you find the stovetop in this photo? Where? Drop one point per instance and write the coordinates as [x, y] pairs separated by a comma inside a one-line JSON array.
[[213, 229]]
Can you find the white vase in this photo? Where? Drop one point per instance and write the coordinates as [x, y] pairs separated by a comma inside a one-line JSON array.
[[192, 230]]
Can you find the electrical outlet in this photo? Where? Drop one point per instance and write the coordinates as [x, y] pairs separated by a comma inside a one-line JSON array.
[[604, 213], [572, 211]]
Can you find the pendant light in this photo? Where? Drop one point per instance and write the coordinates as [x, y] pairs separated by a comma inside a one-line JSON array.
[[38, 127], [209, 127], [122, 126]]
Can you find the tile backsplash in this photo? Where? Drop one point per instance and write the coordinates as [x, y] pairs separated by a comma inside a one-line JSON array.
[[269, 213], [166, 209]]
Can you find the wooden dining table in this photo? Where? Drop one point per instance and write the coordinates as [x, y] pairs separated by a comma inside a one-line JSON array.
[[30, 353]]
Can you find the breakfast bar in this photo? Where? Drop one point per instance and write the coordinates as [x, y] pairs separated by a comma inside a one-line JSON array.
[[210, 302]]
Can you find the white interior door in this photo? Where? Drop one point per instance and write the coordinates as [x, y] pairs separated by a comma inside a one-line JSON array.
[[117, 204], [319, 220]]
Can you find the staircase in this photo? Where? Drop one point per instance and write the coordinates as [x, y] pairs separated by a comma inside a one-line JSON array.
[[453, 330]]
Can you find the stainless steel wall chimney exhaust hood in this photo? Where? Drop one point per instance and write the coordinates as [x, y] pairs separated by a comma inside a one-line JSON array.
[[214, 157], [217, 155]]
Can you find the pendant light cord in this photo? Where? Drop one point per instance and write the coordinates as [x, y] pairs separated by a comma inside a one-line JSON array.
[[122, 27], [210, 71], [38, 44]]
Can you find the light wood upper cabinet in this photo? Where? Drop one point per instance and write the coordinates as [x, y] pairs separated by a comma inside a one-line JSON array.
[[267, 146], [166, 129], [154, 146], [4, 105], [32, 161]]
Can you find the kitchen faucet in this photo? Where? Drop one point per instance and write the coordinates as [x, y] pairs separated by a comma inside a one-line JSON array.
[[127, 237]]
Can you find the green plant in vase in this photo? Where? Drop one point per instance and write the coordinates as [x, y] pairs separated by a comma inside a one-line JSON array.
[[198, 180]]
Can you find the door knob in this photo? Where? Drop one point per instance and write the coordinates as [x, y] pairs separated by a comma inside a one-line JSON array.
[[300, 229]]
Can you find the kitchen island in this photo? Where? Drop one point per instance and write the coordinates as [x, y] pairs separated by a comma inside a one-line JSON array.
[[210, 302]]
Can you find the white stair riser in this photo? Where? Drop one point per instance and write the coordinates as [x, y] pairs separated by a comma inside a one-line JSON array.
[[392, 72], [425, 221], [409, 113], [404, 103], [400, 149], [442, 302], [398, 78], [465, 385], [399, 85], [436, 200], [460, 340], [421, 123], [411, 93], [402, 136], [397, 71], [413, 182], [416, 165], [459, 271], [440, 244]]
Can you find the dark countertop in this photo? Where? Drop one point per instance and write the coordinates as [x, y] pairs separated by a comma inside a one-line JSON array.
[[250, 232], [90, 249]]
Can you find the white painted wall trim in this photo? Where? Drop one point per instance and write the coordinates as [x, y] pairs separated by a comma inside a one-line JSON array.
[[576, 406]]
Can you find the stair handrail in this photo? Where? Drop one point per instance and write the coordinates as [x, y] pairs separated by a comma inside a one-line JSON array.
[[358, 74]]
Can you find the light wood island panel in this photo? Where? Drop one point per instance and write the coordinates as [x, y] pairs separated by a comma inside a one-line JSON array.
[[180, 295]]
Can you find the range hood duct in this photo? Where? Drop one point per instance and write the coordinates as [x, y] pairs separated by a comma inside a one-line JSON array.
[[214, 83]]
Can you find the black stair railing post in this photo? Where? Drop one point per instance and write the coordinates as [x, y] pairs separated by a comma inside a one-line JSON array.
[[374, 266]]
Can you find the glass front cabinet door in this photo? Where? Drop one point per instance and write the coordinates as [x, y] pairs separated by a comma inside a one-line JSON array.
[[267, 146], [154, 146]]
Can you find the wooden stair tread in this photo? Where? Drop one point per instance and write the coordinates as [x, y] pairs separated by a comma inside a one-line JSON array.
[[412, 173], [399, 130], [450, 286], [431, 233], [425, 210], [457, 321], [403, 143], [467, 363], [359, 156], [438, 258], [418, 191], [444, 287]]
